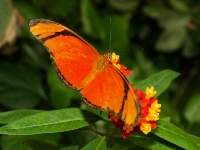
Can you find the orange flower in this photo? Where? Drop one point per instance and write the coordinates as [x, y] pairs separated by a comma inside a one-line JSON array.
[[150, 109]]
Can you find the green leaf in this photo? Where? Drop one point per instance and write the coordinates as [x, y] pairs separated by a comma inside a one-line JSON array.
[[174, 135], [60, 94], [171, 40], [39, 145], [20, 87], [119, 143], [50, 122], [179, 5], [96, 144], [173, 21], [191, 112], [91, 20], [195, 139], [11, 116], [155, 10], [34, 55], [70, 148], [125, 5], [16, 142], [160, 81], [151, 142]]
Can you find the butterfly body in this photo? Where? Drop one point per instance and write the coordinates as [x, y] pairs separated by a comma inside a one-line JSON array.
[[78, 64]]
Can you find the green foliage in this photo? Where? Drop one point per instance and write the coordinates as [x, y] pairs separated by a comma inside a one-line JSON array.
[[191, 112], [60, 95], [151, 142], [165, 77], [14, 115], [50, 122], [174, 135], [20, 86], [158, 40], [96, 144]]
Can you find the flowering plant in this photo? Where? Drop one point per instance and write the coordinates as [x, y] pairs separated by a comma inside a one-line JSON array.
[[150, 107]]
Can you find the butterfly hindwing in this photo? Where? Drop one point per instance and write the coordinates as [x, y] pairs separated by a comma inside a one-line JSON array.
[[131, 112], [111, 91]]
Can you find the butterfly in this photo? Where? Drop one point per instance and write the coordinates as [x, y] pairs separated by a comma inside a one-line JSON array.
[[79, 65]]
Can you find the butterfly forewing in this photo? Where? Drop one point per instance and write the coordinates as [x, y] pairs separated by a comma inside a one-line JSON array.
[[73, 57]]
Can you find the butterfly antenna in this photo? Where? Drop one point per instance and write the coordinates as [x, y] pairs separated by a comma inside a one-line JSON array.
[[110, 36]]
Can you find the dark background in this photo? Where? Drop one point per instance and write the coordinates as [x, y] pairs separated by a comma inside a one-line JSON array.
[[149, 35]]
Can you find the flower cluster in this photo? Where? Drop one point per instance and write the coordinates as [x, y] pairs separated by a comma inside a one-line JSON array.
[[150, 108]]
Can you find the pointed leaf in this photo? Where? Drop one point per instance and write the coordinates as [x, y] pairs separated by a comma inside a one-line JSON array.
[[151, 142], [50, 122], [174, 135], [160, 81], [11, 116], [96, 144], [195, 139]]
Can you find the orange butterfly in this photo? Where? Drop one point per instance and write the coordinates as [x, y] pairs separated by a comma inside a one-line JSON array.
[[78, 64]]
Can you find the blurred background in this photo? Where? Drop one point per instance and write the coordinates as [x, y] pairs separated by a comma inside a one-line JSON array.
[[150, 36]]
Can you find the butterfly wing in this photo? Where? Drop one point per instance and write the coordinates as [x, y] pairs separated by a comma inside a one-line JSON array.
[[110, 90], [78, 65], [72, 56], [131, 112]]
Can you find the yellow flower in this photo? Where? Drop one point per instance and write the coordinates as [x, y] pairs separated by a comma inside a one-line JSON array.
[[150, 92], [152, 116], [114, 60], [145, 128], [154, 112], [156, 106], [115, 57]]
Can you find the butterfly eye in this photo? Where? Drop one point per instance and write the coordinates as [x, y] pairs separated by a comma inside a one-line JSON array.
[[109, 57]]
